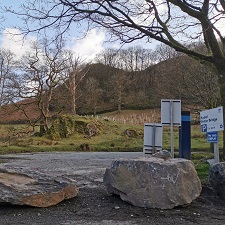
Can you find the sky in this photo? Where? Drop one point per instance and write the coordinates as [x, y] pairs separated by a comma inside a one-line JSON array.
[[86, 48], [93, 43]]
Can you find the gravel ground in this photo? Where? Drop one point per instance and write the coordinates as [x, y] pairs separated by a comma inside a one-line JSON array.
[[93, 206]]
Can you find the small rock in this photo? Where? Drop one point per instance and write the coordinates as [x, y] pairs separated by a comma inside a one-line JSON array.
[[217, 178], [163, 154]]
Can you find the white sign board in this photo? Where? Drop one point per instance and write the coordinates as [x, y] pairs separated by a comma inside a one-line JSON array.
[[212, 120], [152, 138], [171, 112]]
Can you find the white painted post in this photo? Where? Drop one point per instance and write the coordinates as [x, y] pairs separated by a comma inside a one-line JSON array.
[[171, 129], [153, 138], [216, 152]]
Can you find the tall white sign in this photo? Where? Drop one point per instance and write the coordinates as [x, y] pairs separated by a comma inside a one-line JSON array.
[[171, 116], [171, 112]]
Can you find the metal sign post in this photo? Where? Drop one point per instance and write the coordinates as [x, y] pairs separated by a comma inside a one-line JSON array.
[[213, 137], [171, 129], [216, 152], [153, 139], [171, 116]]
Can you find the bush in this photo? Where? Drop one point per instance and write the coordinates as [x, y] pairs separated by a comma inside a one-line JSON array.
[[67, 125], [93, 128], [62, 127]]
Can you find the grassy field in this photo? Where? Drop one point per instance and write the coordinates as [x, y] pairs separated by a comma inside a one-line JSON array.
[[113, 137]]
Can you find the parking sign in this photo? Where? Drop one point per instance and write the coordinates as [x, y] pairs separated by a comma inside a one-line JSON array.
[[212, 120], [204, 128], [212, 137]]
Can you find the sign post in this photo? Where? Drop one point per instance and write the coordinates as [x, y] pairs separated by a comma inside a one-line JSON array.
[[152, 138], [171, 116], [211, 122], [213, 137], [171, 129]]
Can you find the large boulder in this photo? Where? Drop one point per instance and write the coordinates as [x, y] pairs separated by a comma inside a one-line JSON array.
[[217, 178], [38, 190], [153, 182]]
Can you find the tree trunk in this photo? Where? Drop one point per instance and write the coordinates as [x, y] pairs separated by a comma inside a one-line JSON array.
[[42, 129], [119, 98], [119, 107], [43, 126], [74, 104], [221, 71]]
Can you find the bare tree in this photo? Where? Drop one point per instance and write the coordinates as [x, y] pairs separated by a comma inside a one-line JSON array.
[[199, 83], [8, 67], [42, 70], [109, 57], [93, 94], [164, 52], [74, 77], [119, 83], [133, 58], [171, 22], [186, 78]]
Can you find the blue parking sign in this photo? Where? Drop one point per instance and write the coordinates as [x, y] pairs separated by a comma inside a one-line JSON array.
[[204, 128], [212, 137]]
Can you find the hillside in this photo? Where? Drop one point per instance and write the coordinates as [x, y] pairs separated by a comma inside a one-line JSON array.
[[105, 89], [19, 112]]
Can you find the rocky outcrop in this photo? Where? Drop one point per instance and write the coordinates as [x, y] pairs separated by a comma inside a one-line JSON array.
[[153, 182], [163, 154], [217, 178], [38, 191]]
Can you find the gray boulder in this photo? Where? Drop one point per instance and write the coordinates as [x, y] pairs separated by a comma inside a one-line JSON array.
[[38, 190], [153, 182], [217, 178]]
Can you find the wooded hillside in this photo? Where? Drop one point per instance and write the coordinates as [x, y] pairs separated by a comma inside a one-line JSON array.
[[106, 88]]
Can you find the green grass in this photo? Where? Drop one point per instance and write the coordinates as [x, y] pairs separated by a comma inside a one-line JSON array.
[[111, 138], [202, 168]]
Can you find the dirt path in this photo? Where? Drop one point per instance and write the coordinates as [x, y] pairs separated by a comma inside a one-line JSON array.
[[93, 205]]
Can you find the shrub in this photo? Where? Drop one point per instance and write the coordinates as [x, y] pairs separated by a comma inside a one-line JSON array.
[[93, 128], [62, 127]]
